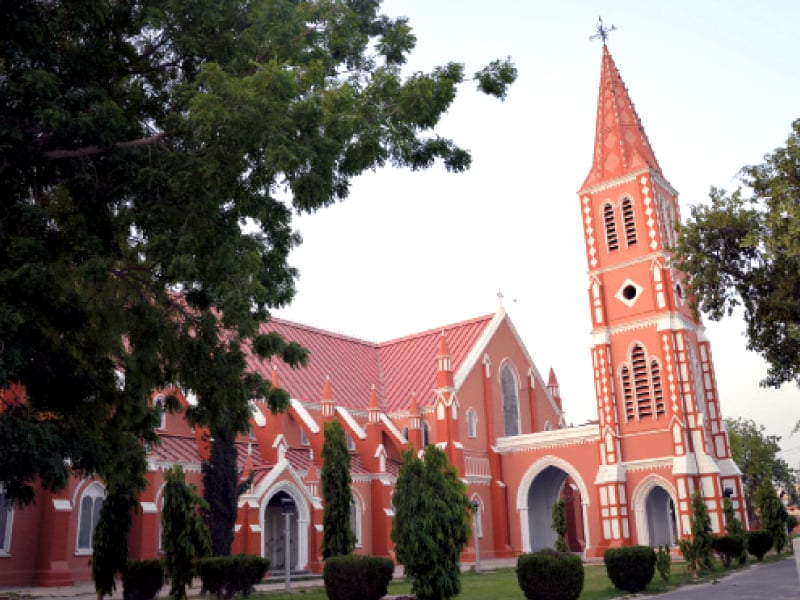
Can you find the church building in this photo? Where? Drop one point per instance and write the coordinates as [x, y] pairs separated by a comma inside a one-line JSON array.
[[472, 389]]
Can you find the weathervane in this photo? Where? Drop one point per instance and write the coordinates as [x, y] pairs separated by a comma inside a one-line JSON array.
[[602, 32]]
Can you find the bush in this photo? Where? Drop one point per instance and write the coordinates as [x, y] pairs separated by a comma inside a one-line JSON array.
[[759, 542], [727, 547], [354, 576], [142, 579], [630, 568], [226, 576], [550, 575], [663, 563]]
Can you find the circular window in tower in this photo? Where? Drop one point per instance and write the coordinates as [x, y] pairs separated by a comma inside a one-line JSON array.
[[629, 292]]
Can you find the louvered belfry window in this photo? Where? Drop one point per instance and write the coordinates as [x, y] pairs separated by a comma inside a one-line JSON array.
[[641, 382], [628, 221], [611, 227], [658, 391], [627, 391], [642, 388]]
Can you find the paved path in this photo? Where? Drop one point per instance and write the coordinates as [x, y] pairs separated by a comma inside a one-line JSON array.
[[773, 581]]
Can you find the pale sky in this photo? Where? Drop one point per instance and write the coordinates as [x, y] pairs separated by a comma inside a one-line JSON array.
[[716, 84]]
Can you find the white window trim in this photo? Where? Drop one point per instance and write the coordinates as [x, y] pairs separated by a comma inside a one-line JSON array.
[[160, 400], [503, 365], [94, 490]]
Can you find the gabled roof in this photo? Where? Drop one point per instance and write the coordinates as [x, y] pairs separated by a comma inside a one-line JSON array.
[[620, 144], [396, 367]]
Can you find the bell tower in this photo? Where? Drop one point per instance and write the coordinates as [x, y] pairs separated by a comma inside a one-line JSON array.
[[657, 404]]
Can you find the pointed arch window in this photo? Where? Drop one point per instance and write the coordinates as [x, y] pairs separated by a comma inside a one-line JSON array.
[[6, 521], [472, 423], [612, 241], [628, 221], [426, 435], [405, 433], [90, 505], [509, 387], [355, 520], [642, 388], [160, 406]]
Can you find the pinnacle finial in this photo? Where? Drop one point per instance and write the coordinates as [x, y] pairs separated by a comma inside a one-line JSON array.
[[602, 31]]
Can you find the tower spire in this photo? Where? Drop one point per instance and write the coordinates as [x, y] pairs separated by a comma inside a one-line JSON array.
[[621, 146]]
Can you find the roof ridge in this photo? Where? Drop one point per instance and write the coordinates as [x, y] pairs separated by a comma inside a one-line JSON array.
[[328, 332], [436, 330]]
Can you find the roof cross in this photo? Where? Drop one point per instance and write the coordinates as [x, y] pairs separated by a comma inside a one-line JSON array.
[[602, 32]]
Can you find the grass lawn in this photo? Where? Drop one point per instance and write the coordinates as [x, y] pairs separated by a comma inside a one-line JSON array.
[[502, 585]]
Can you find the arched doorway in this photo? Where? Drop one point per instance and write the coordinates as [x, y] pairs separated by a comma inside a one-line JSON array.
[[654, 506], [275, 531], [660, 511], [550, 485], [545, 482]]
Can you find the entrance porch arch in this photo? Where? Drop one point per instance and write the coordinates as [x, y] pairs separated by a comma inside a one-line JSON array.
[[654, 502], [538, 491], [273, 527]]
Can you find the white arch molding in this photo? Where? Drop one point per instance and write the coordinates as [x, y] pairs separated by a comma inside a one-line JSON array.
[[303, 518], [639, 501], [524, 486]]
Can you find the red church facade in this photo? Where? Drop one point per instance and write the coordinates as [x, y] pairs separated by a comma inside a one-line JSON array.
[[472, 389]]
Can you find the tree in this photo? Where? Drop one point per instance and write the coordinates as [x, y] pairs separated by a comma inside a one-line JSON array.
[[221, 491], [756, 454], [773, 514], [185, 536], [560, 524], [697, 549], [744, 250], [337, 535], [151, 155], [432, 523]]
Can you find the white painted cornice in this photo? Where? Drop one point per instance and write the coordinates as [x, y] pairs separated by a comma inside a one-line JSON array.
[[569, 436]]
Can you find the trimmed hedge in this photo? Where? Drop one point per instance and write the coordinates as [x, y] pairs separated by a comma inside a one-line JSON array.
[[226, 576], [728, 547], [142, 579], [630, 568], [550, 575], [759, 542], [357, 576]]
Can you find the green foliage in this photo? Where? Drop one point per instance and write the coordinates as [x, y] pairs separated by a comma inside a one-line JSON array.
[[728, 547], [221, 491], [353, 576], [757, 455], [759, 542], [744, 250], [185, 536], [630, 568], [109, 556], [550, 575], [227, 576], [697, 549], [432, 523], [152, 156], [142, 579], [337, 536], [772, 514], [734, 527], [663, 563], [560, 524]]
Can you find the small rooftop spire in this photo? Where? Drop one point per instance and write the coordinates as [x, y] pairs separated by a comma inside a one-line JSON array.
[[327, 393], [276, 380]]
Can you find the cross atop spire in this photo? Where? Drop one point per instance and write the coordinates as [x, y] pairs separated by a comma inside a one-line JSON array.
[[602, 31]]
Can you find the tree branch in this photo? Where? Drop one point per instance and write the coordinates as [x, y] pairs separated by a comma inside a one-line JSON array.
[[88, 150]]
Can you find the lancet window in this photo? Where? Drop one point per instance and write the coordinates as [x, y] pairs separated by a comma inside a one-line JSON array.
[[642, 389]]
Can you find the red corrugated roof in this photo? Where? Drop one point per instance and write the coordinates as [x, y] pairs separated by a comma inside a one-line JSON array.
[[175, 449], [395, 368]]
